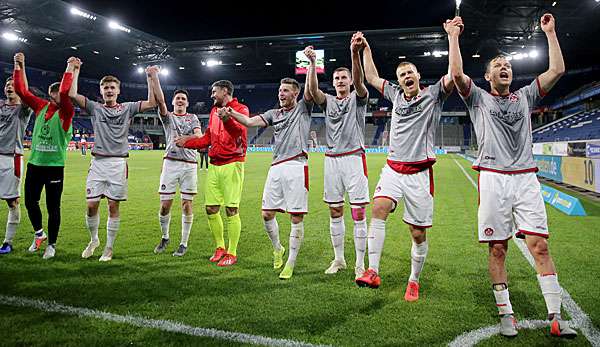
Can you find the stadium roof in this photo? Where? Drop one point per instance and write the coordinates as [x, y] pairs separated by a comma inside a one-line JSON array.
[[54, 33]]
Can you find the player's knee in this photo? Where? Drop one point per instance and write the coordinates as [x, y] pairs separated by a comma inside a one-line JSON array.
[[113, 208], [498, 250], [231, 211], [268, 215], [297, 218], [336, 211], [539, 247], [382, 208], [165, 209], [12, 203], [212, 209], [358, 213]]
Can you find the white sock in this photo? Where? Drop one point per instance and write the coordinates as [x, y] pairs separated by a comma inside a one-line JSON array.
[[376, 237], [360, 242], [186, 227], [12, 222], [112, 227], [92, 225], [296, 237], [552, 292], [418, 254], [272, 229], [337, 230], [503, 302], [165, 222]]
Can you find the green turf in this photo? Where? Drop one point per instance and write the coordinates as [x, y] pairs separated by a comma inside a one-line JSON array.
[[455, 292]]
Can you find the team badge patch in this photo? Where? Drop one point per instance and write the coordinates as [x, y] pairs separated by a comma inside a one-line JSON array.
[[163, 187], [488, 231]]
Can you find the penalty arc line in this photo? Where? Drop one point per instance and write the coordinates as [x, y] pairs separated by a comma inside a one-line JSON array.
[[578, 317], [164, 325]]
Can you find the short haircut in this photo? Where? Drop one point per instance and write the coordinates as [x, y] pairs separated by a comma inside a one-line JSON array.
[[54, 87], [489, 63], [291, 81], [224, 84], [406, 63], [108, 79], [181, 91], [8, 80], [339, 69]]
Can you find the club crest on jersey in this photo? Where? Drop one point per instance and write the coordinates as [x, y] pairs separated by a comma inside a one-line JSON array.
[[513, 97], [488, 231]]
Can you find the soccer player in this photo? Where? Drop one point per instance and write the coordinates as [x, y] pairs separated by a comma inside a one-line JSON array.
[[286, 188], [107, 176], [52, 132], [14, 117], [509, 192], [408, 173], [228, 141], [345, 154], [179, 166]]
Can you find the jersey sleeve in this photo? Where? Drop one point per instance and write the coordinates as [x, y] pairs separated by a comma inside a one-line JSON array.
[[533, 92], [438, 90], [472, 96], [196, 123], [133, 108], [361, 101], [389, 90], [268, 116], [91, 106], [307, 106]]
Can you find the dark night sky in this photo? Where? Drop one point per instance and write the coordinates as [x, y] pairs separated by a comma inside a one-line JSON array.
[[178, 21]]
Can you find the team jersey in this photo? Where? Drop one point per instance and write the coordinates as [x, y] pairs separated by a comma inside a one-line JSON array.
[[503, 127], [13, 121], [179, 125], [111, 127], [291, 130], [345, 123], [413, 125]]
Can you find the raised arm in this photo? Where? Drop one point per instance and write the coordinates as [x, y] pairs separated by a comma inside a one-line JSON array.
[[78, 99], [155, 92], [556, 66], [150, 103], [371, 73], [453, 29], [234, 128], [312, 82], [66, 111], [21, 88], [248, 122], [358, 79]]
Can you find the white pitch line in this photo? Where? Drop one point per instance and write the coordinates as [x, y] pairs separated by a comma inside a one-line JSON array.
[[164, 325], [579, 318]]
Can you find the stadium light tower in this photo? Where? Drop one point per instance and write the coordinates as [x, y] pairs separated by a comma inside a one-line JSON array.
[[116, 26], [9, 36], [77, 12]]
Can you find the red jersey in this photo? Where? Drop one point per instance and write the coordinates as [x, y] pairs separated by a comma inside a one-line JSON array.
[[227, 140]]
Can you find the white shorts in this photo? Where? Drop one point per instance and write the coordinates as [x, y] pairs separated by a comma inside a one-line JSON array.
[[178, 172], [347, 173], [107, 177], [11, 170], [507, 201], [286, 188], [416, 190]]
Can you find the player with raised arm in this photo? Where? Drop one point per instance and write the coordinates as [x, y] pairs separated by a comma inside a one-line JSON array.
[[345, 127], [286, 188], [179, 165], [108, 173], [509, 192], [228, 141], [408, 174], [14, 117], [52, 132]]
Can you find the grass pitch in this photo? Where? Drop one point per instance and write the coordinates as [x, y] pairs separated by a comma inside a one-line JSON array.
[[312, 307]]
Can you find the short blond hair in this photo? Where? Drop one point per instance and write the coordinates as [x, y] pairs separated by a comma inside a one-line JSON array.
[[108, 79], [291, 81], [406, 63]]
